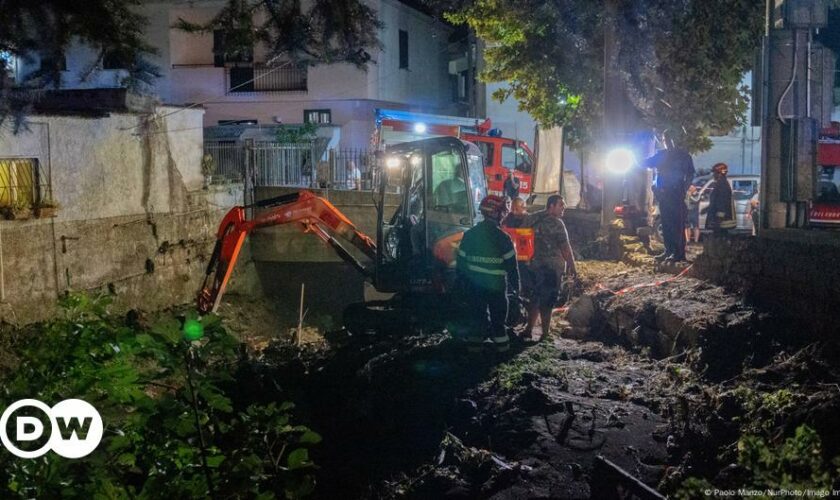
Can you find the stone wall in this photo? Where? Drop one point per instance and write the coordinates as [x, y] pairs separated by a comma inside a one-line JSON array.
[[795, 274], [133, 220]]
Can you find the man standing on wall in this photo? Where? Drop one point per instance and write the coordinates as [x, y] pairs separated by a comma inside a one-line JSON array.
[[553, 258], [674, 173]]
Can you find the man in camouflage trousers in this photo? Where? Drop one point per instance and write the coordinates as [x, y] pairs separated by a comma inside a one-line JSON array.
[[553, 258]]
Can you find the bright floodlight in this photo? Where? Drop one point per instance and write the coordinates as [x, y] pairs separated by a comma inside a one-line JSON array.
[[620, 160], [420, 128], [392, 162]]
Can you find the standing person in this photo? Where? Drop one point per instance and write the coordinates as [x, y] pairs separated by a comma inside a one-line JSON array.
[[322, 175], [552, 258], [754, 212], [692, 223], [486, 267], [354, 177], [674, 172], [518, 215], [511, 186], [720, 217]]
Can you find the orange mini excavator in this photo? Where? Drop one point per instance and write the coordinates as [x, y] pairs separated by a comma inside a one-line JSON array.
[[439, 183]]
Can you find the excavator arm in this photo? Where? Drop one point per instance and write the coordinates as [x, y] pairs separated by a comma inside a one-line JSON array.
[[313, 214]]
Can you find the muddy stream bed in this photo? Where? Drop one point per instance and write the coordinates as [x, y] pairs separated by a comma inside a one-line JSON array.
[[673, 383]]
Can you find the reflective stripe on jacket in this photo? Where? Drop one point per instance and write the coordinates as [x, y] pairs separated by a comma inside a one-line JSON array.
[[487, 259]]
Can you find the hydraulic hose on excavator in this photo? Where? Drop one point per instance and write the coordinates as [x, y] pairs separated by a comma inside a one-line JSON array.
[[314, 214]]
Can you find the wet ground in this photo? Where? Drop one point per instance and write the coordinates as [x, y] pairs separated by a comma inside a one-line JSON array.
[[664, 380]]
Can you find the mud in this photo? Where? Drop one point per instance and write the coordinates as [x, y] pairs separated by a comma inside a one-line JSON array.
[[663, 380]]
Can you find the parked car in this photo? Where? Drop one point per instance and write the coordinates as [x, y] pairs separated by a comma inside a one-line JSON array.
[[744, 188]]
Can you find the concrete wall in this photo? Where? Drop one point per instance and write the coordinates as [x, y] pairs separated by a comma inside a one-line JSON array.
[[133, 218], [284, 257], [793, 273]]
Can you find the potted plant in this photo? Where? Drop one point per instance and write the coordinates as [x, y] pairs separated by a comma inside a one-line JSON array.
[[19, 210], [46, 208]]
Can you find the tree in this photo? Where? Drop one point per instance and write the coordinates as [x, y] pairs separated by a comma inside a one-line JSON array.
[[49, 27], [681, 61], [330, 31]]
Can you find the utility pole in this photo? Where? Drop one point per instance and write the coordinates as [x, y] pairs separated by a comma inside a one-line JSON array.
[[791, 116], [620, 118]]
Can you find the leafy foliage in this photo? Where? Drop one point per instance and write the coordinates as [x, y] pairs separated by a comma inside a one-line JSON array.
[[137, 378], [329, 31], [796, 464], [49, 27], [680, 62], [297, 133], [540, 361]]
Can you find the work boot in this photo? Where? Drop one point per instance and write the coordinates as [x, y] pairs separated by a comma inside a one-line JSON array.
[[662, 256], [501, 343]]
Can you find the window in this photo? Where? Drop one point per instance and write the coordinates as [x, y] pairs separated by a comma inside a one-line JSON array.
[[403, 49], [743, 189], [317, 116], [20, 182], [48, 62], [242, 79], [221, 54], [450, 189], [487, 150], [828, 180], [516, 158], [114, 59]]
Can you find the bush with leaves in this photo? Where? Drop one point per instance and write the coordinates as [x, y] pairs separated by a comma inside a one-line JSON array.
[[171, 427]]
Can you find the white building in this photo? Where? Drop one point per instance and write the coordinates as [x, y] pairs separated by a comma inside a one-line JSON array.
[[409, 72]]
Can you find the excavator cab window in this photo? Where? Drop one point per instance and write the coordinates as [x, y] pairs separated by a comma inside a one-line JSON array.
[[449, 192]]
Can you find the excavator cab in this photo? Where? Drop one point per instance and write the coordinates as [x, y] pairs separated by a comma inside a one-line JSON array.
[[441, 182]]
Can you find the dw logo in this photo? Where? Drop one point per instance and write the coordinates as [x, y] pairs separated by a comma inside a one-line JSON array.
[[74, 428]]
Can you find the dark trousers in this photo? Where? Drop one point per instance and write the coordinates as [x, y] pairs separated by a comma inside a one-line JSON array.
[[673, 212], [487, 311]]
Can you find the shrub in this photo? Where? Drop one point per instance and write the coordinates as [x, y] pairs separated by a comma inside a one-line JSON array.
[[152, 387]]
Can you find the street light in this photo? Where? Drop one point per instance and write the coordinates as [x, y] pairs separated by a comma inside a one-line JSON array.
[[619, 161]]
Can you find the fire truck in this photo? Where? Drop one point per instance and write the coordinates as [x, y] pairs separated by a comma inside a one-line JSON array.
[[825, 211], [503, 157]]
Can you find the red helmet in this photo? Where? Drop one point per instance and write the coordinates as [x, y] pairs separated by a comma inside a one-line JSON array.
[[494, 207]]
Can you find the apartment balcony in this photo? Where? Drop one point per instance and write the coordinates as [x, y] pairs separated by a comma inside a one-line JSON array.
[[199, 82], [256, 79]]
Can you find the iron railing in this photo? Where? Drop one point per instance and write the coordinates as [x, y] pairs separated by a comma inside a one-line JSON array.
[[307, 164], [23, 183], [279, 164], [227, 161], [266, 79], [352, 169]]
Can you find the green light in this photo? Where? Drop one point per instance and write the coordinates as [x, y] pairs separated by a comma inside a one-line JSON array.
[[193, 329]]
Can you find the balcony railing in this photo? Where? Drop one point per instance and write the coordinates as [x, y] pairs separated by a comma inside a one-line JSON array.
[[261, 79]]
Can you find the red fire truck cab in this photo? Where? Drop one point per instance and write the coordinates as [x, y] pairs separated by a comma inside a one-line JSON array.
[[825, 211], [502, 156]]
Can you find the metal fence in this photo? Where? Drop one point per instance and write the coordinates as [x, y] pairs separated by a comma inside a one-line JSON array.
[[278, 164], [227, 161], [290, 164], [352, 169]]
